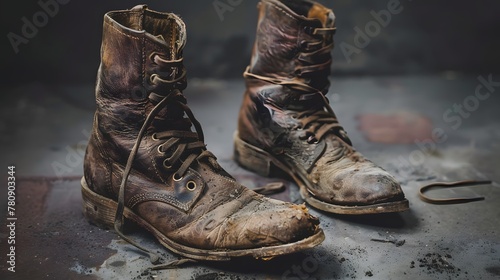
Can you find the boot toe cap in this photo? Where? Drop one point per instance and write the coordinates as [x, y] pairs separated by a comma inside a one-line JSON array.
[[256, 223], [268, 223], [360, 186]]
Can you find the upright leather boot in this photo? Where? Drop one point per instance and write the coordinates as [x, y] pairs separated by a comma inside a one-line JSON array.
[[144, 162], [286, 124]]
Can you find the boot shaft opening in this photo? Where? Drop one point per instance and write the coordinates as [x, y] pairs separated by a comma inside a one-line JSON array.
[[164, 28]]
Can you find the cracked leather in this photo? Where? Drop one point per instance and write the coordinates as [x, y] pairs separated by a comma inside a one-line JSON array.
[[335, 172], [218, 213]]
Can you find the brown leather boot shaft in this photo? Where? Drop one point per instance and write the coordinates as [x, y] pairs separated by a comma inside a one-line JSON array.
[[286, 122], [131, 41], [290, 42], [144, 155]]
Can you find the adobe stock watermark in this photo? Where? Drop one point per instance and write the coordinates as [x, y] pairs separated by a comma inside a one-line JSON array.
[[453, 116], [223, 6], [363, 37], [308, 267], [73, 159], [31, 26]]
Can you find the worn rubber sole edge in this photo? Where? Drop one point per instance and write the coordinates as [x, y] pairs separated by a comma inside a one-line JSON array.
[[267, 158], [95, 202]]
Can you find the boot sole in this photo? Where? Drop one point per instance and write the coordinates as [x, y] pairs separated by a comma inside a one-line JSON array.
[[100, 211], [264, 164]]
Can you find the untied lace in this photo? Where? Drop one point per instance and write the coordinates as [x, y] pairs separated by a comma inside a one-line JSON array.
[[453, 200], [180, 140], [315, 62]]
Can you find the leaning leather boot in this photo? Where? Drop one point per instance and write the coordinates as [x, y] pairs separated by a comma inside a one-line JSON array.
[[145, 163], [286, 124]]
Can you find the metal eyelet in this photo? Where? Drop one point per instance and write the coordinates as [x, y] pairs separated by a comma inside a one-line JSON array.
[[152, 77], [176, 177], [191, 186], [304, 44], [159, 150], [166, 165], [138, 93], [312, 140], [152, 57], [153, 136], [309, 30]]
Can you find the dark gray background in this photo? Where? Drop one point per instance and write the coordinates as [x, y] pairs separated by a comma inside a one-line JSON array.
[[426, 37], [47, 102]]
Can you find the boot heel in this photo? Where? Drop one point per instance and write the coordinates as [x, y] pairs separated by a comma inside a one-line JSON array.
[[98, 210], [251, 157]]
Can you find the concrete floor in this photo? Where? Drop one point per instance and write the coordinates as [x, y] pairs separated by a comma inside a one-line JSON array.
[[44, 131]]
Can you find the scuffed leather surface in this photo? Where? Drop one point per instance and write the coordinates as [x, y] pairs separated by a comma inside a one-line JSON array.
[[335, 171], [279, 35], [219, 213]]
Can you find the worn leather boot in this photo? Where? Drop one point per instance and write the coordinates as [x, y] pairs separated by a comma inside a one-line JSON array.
[[286, 124], [144, 162]]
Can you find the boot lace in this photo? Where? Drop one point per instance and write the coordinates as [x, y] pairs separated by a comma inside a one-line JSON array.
[[314, 68], [186, 146]]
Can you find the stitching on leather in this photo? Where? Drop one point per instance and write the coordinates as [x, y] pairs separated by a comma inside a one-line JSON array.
[[141, 19], [117, 30], [283, 11], [143, 61], [134, 199], [227, 179], [139, 198], [172, 39], [154, 166], [108, 184]]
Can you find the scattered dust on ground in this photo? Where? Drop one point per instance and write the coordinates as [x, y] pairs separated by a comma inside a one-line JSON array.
[[437, 263]]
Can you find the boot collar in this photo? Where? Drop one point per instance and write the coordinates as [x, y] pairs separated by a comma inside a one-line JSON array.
[[141, 22], [308, 13]]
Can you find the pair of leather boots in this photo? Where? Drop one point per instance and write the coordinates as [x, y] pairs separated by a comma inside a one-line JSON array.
[[146, 160]]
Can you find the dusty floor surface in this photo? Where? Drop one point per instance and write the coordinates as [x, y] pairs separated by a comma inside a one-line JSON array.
[[421, 129]]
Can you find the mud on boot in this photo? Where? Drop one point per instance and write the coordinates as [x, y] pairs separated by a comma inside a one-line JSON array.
[[145, 162], [286, 122]]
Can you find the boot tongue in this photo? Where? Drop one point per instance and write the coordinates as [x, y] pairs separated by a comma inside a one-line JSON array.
[[167, 28], [326, 18], [170, 31]]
